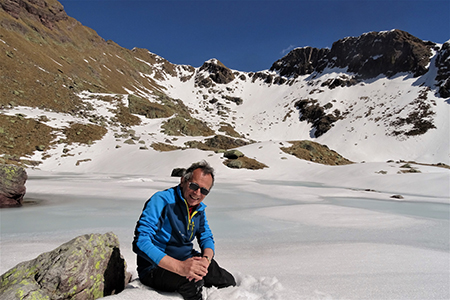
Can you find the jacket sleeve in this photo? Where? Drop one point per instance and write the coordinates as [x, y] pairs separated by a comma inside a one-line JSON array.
[[147, 226], [204, 235]]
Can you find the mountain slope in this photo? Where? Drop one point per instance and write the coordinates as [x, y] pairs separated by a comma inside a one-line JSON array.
[[375, 97]]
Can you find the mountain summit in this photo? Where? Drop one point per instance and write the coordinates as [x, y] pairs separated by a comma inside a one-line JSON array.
[[379, 96], [367, 56]]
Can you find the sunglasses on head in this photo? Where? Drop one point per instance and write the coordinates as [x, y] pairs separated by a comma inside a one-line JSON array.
[[193, 186]]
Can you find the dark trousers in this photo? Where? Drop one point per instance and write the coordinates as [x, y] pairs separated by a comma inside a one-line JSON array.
[[163, 280]]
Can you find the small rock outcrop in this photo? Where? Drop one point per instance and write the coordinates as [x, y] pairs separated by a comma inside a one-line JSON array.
[[179, 126], [140, 106], [217, 142], [217, 72], [12, 185], [86, 268], [318, 116], [235, 159], [315, 152]]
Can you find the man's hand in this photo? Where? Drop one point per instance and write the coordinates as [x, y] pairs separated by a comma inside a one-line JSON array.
[[196, 267]]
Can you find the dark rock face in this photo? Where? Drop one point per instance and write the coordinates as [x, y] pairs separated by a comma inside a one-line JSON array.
[[218, 73], [12, 185], [85, 268], [47, 12], [443, 66], [367, 56], [315, 114], [387, 53], [300, 61]]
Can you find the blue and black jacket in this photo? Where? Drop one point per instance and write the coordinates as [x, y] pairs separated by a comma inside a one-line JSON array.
[[166, 228]]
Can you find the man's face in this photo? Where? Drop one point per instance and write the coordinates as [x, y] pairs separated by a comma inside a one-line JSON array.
[[192, 197]]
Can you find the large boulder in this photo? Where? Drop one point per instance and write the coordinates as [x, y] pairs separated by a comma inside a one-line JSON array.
[[233, 154], [88, 267], [12, 185]]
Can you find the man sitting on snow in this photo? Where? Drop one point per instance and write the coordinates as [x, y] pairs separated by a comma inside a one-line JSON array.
[[170, 220]]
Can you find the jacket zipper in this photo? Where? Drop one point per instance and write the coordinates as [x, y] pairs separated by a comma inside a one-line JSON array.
[[190, 224]]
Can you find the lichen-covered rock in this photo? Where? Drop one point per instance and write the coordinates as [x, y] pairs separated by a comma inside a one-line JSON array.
[[233, 163], [12, 185], [86, 268], [233, 154]]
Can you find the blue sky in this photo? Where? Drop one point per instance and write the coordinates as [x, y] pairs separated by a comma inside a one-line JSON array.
[[250, 35]]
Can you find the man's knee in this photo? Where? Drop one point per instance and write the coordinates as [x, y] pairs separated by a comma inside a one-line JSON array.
[[218, 276]]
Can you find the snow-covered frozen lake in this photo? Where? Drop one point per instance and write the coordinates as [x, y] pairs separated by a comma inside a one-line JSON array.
[[283, 239]]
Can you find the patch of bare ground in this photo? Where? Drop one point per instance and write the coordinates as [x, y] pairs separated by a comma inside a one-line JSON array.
[[84, 133], [315, 152], [217, 142], [440, 165], [244, 163], [164, 147], [229, 130], [21, 137]]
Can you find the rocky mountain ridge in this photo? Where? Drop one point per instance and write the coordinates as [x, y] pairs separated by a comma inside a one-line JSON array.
[[367, 56], [389, 86]]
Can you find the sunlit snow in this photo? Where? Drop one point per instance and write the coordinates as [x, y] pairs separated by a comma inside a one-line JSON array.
[[295, 230]]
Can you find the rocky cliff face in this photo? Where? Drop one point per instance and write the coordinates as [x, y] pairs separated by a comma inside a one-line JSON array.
[[377, 53], [46, 12], [301, 61], [213, 71], [443, 74], [367, 56]]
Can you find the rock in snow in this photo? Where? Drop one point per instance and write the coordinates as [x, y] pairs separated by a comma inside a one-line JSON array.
[[88, 267], [12, 185]]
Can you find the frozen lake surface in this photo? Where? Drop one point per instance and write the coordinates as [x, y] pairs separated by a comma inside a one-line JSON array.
[[282, 239]]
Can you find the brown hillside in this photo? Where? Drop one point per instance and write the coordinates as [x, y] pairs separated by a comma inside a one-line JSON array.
[[49, 56]]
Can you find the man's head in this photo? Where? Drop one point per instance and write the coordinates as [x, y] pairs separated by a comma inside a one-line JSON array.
[[197, 182]]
